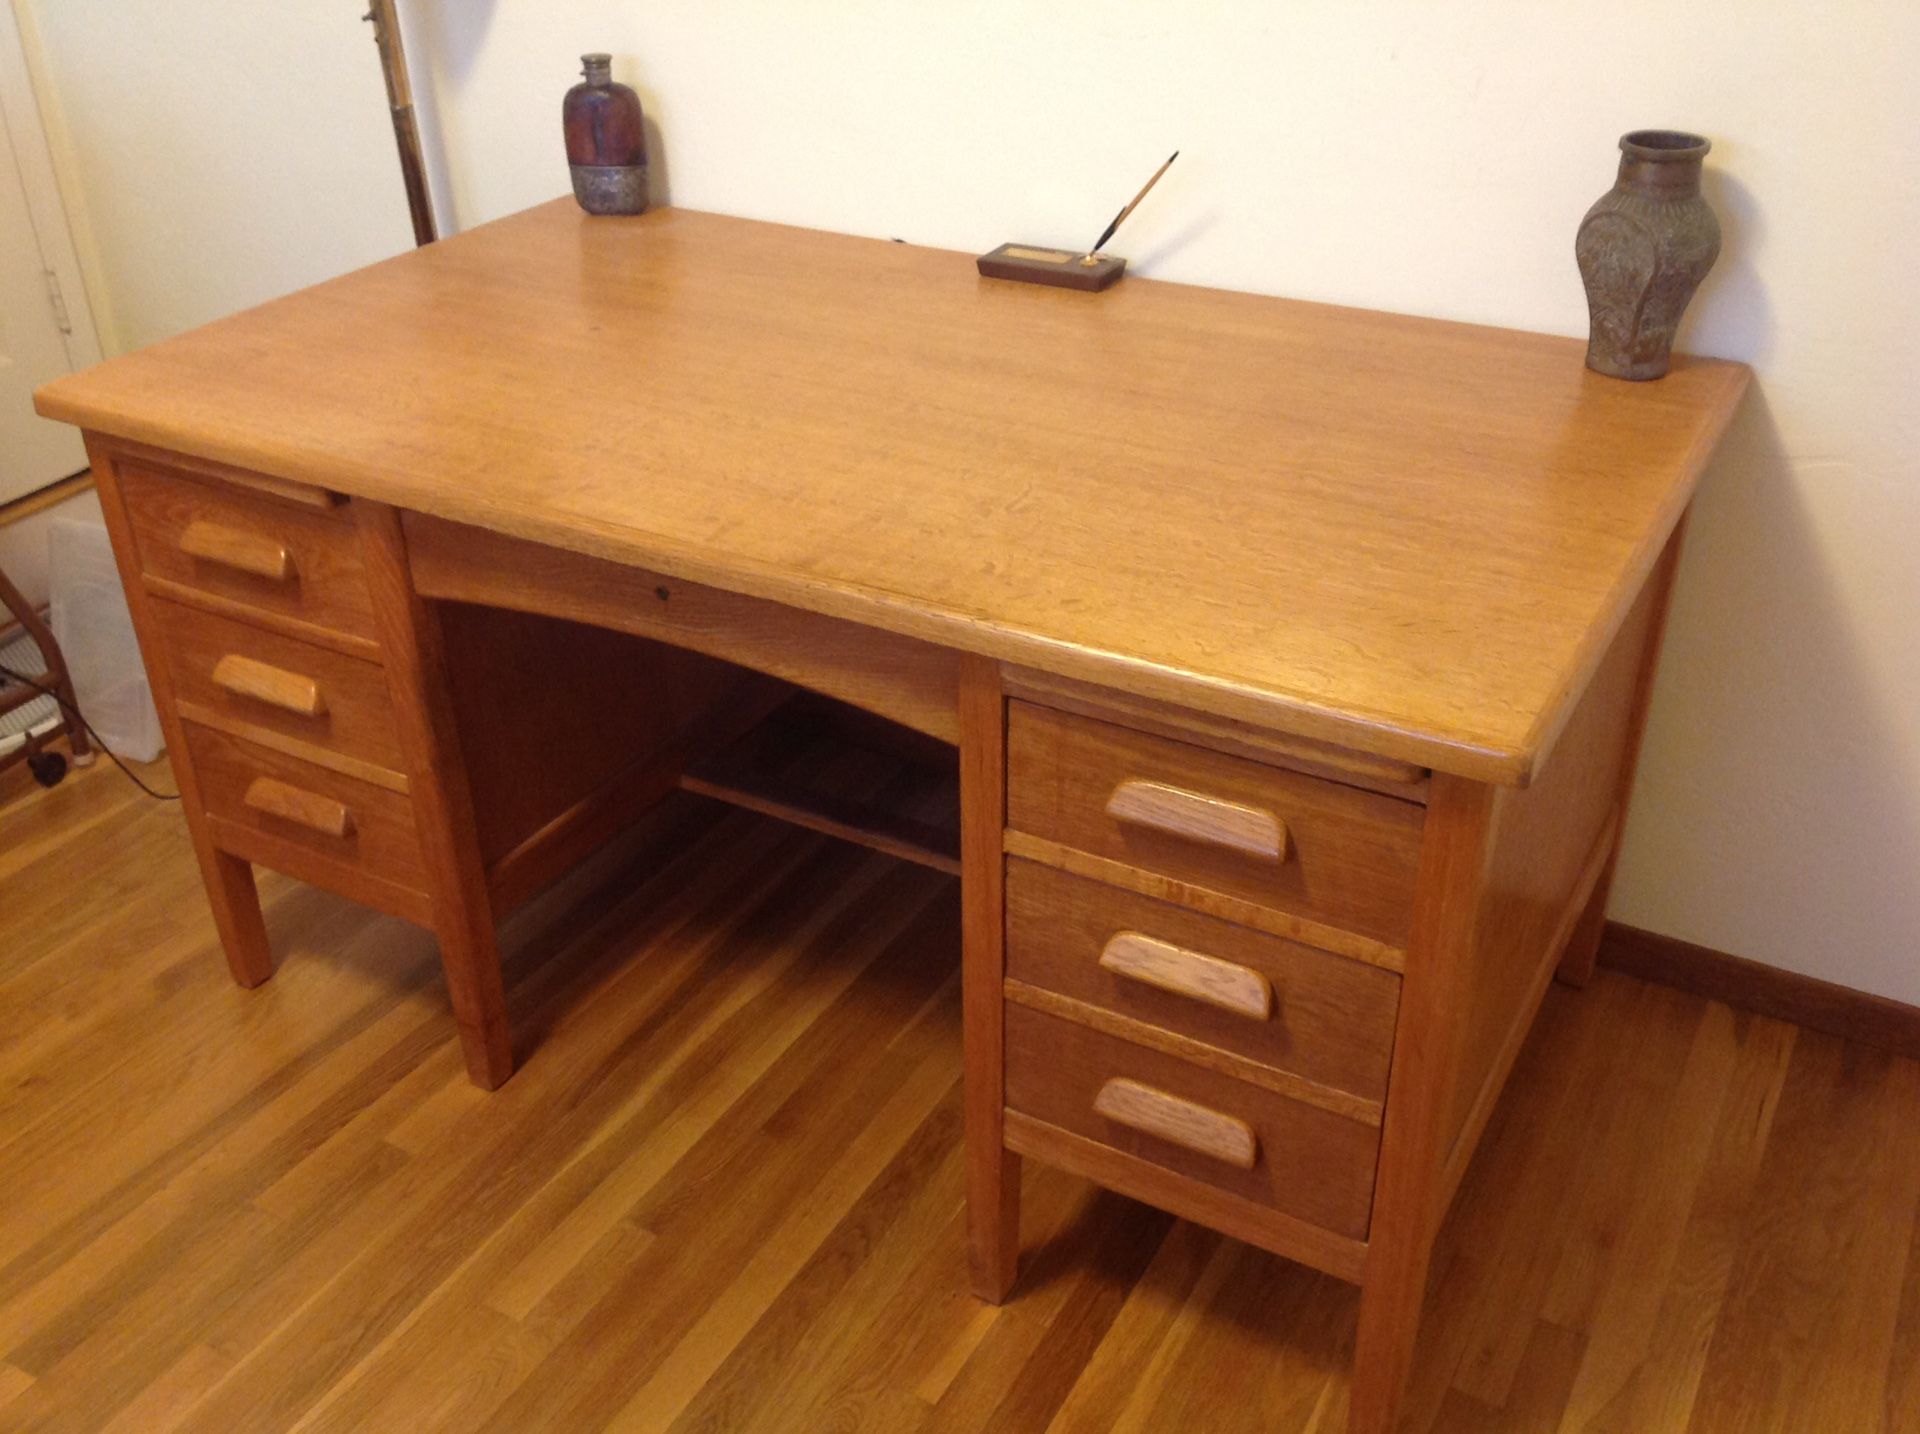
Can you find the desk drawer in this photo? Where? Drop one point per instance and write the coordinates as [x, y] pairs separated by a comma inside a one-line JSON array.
[[248, 548], [363, 835], [1333, 853], [1292, 1007], [283, 692], [1203, 1127]]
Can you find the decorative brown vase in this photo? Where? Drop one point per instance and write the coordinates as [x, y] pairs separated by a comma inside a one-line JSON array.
[[606, 141], [1643, 250]]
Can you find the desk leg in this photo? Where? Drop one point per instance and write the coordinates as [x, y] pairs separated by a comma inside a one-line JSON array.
[[1410, 1194], [236, 913], [993, 1171], [442, 803], [228, 879]]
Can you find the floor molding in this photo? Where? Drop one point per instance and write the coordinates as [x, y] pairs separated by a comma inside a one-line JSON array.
[[41, 499], [1786, 995]]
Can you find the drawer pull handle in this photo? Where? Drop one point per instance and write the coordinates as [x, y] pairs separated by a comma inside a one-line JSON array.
[[1253, 830], [275, 686], [1178, 1122], [306, 809], [244, 552], [1225, 984]]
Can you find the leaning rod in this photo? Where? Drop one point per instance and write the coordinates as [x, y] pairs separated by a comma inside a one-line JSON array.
[[406, 131]]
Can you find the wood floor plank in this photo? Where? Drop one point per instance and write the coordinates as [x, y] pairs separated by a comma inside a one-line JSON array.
[[1135, 1359], [1660, 1392], [464, 1194], [1651, 1209], [1572, 1201], [723, 1192], [1810, 1312], [1537, 1396]]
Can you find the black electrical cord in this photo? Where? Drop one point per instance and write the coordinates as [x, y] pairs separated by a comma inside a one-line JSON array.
[[75, 713]]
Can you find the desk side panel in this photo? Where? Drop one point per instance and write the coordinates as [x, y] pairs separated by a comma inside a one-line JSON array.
[[570, 733], [1550, 845]]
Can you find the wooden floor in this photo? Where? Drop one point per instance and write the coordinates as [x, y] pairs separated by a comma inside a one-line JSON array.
[[724, 1193]]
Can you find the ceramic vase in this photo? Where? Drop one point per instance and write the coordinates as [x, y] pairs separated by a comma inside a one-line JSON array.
[[1643, 250]]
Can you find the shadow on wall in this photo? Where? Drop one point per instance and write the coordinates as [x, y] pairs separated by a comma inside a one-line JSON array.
[[452, 36], [1732, 303], [1765, 710]]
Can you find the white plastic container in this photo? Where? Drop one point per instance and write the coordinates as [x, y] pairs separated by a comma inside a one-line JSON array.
[[95, 632]]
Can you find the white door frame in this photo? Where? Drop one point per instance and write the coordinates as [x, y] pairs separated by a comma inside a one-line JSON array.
[[45, 208]]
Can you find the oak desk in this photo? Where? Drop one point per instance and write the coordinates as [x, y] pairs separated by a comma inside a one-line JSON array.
[[1295, 658]]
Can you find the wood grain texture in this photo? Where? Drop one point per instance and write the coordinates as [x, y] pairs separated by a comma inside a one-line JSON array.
[[304, 494], [1349, 855], [1194, 1052], [548, 712], [258, 552], [1576, 964], [1184, 1123], [249, 677], [288, 803], [1223, 734], [344, 819], [996, 468], [441, 794], [1311, 1163], [1542, 862], [724, 1192], [907, 681], [257, 683], [1196, 817], [1332, 1018], [1385, 955], [1408, 1199], [1224, 985], [993, 1171], [228, 879], [249, 554]]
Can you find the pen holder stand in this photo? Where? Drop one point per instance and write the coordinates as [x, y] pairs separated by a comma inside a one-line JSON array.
[[1059, 268]]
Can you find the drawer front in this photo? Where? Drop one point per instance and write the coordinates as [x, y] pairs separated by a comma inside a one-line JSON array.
[[272, 687], [251, 549], [1203, 1127], [1289, 1006], [1332, 853], [308, 807]]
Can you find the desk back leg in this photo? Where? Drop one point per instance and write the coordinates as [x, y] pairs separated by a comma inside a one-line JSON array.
[[993, 1171], [442, 801]]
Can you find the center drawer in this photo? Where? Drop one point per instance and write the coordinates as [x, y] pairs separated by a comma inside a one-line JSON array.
[[1332, 853], [1322, 1017]]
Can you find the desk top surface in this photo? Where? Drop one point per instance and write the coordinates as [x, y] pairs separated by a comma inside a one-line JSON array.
[[1408, 536]]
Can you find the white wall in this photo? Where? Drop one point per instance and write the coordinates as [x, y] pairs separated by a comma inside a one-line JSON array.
[[220, 152], [1398, 154]]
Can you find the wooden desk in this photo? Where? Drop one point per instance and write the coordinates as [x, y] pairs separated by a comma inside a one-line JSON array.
[[1295, 657]]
